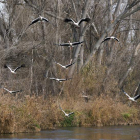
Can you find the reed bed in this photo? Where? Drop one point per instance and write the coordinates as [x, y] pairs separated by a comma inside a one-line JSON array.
[[32, 114]]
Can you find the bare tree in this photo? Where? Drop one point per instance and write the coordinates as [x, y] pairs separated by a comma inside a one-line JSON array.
[[107, 18]]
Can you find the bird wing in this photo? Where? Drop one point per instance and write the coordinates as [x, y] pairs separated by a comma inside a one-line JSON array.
[[136, 97], [76, 43], [45, 19], [16, 91], [71, 113], [83, 19], [7, 90], [34, 21], [59, 64], [9, 68], [62, 79], [17, 68], [53, 78], [69, 65], [62, 109], [106, 39], [64, 44], [116, 39], [125, 93], [69, 20]]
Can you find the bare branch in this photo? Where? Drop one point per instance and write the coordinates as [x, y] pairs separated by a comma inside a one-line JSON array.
[[130, 13], [73, 4], [117, 8]]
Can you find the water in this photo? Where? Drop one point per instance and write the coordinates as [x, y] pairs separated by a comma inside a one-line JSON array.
[[81, 133]]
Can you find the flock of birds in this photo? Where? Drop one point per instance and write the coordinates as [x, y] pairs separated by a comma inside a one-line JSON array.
[[71, 45]]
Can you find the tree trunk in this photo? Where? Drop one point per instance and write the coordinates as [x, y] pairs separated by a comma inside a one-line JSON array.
[[83, 30]]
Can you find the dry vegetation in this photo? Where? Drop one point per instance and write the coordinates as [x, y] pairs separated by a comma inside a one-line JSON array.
[[32, 114], [99, 72]]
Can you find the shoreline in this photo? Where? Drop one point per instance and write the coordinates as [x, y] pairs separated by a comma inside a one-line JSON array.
[[59, 127], [85, 126]]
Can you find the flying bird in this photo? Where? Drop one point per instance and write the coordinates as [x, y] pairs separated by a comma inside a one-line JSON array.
[[60, 80], [14, 70], [67, 115], [40, 18], [12, 91], [66, 66], [77, 24], [131, 98], [71, 44], [112, 37]]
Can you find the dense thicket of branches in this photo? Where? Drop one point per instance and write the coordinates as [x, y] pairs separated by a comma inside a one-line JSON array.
[[35, 46]]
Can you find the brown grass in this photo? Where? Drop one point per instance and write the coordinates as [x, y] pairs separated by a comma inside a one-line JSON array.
[[32, 114], [27, 115]]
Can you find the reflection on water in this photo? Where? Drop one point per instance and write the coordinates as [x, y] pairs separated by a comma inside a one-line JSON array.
[[81, 133]]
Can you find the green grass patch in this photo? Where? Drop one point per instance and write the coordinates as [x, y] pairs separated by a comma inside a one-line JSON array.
[[126, 116]]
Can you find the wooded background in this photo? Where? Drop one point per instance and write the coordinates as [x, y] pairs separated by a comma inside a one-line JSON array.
[[99, 68]]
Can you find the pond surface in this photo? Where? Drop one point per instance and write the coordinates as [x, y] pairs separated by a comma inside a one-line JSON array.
[[81, 133]]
